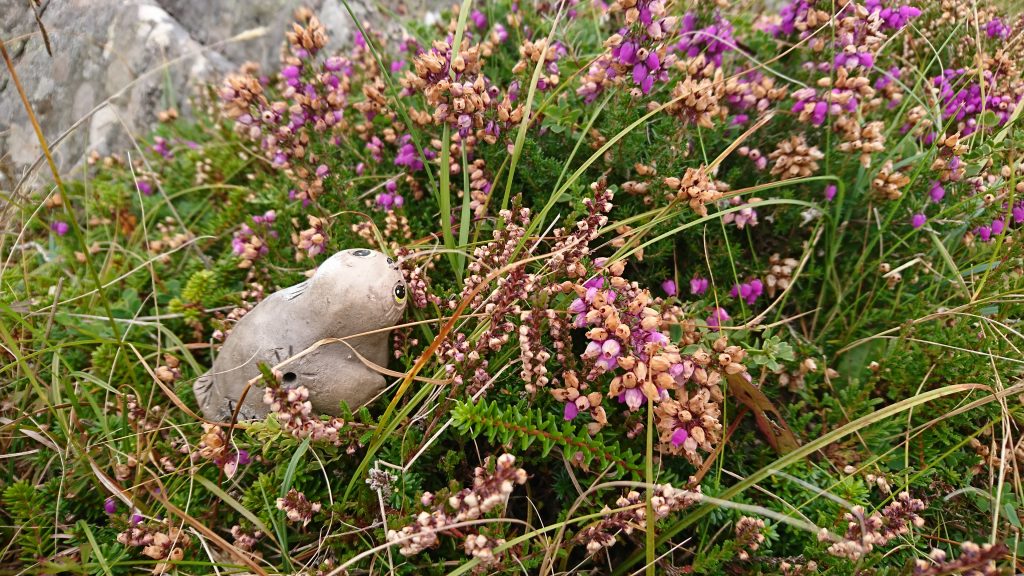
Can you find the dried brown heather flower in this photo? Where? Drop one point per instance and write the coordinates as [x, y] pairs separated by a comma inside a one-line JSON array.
[[794, 158], [974, 560], [888, 183], [490, 490], [696, 101], [864, 140], [748, 536], [696, 188], [780, 273], [666, 500], [164, 542]]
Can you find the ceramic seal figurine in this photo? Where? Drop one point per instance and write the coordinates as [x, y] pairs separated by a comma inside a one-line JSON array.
[[352, 292]]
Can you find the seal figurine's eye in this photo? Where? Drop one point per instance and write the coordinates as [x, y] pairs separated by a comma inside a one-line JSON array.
[[399, 292], [362, 252]]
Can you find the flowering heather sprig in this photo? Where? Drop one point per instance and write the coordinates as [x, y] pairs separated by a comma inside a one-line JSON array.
[[573, 245], [463, 358], [746, 216], [749, 536], [666, 499], [389, 199], [699, 285], [249, 243], [297, 507], [753, 92], [696, 99], [974, 560], [962, 98], [294, 412], [246, 540], [711, 41], [639, 50], [490, 490], [460, 95], [864, 531], [163, 542]]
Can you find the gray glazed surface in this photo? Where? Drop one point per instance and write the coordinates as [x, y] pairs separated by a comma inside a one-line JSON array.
[[352, 292]]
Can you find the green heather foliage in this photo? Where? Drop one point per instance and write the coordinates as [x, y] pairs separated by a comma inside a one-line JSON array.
[[692, 288]]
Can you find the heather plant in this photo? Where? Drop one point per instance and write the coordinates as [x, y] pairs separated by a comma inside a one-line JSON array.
[[714, 288]]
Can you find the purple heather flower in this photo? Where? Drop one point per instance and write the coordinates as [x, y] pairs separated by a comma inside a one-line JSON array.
[[718, 315], [479, 19], [918, 220], [290, 73], [748, 291], [570, 411], [110, 505], [830, 192], [698, 286], [60, 227], [937, 193], [996, 28], [407, 155], [1018, 213], [669, 286], [984, 233], [998, 226], [679, 436]]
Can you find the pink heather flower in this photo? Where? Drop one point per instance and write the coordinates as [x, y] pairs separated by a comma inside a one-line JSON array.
[[669, 286], [360, 168], [679, 436], [698, 286], [918, 220], [500, 33], [609, 355], [830, 192], [60, 227], [937, 192], [322, 171], [145, 187], [633, 398], [718, 315], [571, 410]]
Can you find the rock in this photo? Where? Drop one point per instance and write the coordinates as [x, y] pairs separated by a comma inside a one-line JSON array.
[[144, 56]]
